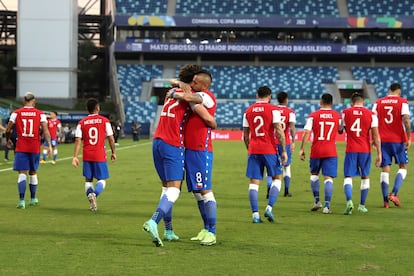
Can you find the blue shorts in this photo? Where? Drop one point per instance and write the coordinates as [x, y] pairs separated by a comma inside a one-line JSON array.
[[289, 153], [357, 164], [198, 168], [97, 170], [24, 161], [54, 143], [257, 162], [329, 166], [168, 161], [396, 150]]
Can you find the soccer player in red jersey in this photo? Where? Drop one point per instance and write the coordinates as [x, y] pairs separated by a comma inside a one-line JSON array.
[[260, 123], [199, 157], [28, 121], [288, 121], [395, 132], [55, 129], [325, 125], [359, 123], [93, 131], [168, 153]]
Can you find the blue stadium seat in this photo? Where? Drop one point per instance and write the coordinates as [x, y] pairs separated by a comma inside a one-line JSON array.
[[143, 112], [380, 8], [130, 78], [241, 82], [382, 77], [264, 7], [142, 7]]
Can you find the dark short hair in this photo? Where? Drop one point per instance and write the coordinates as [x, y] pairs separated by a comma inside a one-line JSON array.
[[52, 111], [282, 96], [356, 96], [206, 72], [188, 71], [327, 98], [264, 91], [91, 104], [395, 86], [29, 96]]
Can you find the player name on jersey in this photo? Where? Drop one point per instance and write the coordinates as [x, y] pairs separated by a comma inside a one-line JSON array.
[[28, 114], [93, 121], [388, 101], [326, 116], [258, 109]]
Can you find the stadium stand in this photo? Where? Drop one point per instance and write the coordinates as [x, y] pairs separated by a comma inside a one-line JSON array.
[[380, 8], [241, 82], [266, 7], [382, 77], [147, 7]]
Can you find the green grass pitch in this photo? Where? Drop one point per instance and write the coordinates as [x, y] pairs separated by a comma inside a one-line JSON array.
[[62, 237]]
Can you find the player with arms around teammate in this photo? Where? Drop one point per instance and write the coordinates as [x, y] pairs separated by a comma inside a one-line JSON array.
[[55, 130], [199, 156], [168, 153], [260, 122], [325, 125], [288, 121], [93, 130], [28, 121], [395, 131], [359, 123]]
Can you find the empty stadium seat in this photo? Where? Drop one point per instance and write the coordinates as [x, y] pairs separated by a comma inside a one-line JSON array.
[[264, 7], [142, 7], [381, 7], [242, 82], [382, 77]]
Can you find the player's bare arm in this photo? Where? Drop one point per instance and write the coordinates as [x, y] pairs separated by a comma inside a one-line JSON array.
[[292, 128], [280, 134], [302, 146], [75, 159], [376, 142], [9, 130], [206, 116], [46, 136], [246, 136], [188, 97], [111, 141], [184, 86], [407, 125]]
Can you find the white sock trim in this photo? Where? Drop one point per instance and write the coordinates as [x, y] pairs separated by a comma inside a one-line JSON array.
[[253, 187]]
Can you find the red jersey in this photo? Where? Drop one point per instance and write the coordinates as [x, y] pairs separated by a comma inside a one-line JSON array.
[[259, 117], [173, 117], [390, 110], [53, 125], [287, 116], [324, 123], [94, 129], [28, 121], [197, 134], [358, 122]]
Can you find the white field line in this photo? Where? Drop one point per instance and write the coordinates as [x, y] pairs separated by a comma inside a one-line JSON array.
[[118, 148]]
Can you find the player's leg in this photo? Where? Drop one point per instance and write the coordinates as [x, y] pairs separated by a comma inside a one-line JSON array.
[[254, 172], [365, 167], [88, 172], [314, 164], [169, 163], [329, 171], [386, 162], [45, 152], [286, 171], [22, 166], [350, 170], [401, 158], [273, 166], [210, 206]]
